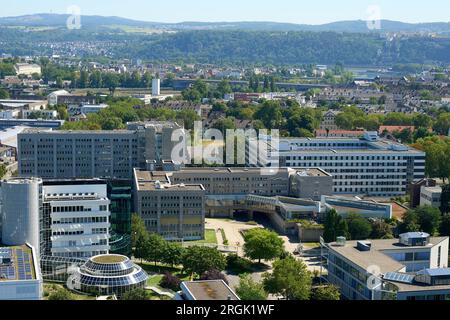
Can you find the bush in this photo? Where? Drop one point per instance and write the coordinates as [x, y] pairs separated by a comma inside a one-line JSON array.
[[60, 294], [169, 281], [238, 265], [224, 237], [214, 275], [136, 295]]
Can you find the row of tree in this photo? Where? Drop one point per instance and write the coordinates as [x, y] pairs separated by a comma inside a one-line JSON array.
[[352, 117], [123, 110], [424, 219]]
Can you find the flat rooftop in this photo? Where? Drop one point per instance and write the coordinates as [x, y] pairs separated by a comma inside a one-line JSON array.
[[375, 256], [433, 189], [16, 263], [367, 259], [69, 132], [339, 145], [210, 290], [316, 172], [148, 181]]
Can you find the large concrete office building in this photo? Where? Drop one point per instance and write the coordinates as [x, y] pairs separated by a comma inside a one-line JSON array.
[[175, 211], [174, 204], [299, 183], [368, 166], [414, 267], [94, 154]]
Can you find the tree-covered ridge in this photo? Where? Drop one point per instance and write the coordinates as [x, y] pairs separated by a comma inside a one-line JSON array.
[[235, 47]]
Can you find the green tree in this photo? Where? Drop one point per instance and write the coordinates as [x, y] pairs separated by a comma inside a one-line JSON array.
[[290, 279], [335, 226], [445, 225], [83, 82], [429, 219], [197, 260], [3, 171], [442, 124], [223, 88], [445, 199], [358, 227], [262, 244], [139, 236], [250, 290], [172, 253], [330, 293], [111, 81], [4, 94], [188, 117], [270, 114], [154, 248], [426, 219], [381, 230], [437, 156]]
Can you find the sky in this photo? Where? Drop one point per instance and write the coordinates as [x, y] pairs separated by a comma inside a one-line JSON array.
[[293, 11]]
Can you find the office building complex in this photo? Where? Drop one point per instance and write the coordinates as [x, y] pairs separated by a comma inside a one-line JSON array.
[[414, 267], [75, 219], [20, 276], [175, 211], [174, 204], [94, 154], [367, 166]]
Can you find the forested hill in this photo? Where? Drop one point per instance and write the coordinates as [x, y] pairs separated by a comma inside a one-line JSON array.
[[59, 20], [258, 47]]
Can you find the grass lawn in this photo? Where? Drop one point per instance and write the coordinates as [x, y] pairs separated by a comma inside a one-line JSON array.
[[210, 238], [156, 273], [311, 245], [154, 281]]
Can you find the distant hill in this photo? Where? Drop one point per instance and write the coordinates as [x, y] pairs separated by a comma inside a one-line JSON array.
[[357, 26]]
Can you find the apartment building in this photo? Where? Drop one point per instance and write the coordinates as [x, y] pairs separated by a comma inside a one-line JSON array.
[[414, 267], [175, 211], [75, 221], [329, 120], [367, 166], [93, 154], [27, 69]]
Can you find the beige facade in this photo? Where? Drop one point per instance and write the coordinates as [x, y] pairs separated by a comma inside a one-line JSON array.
[[175, 211]]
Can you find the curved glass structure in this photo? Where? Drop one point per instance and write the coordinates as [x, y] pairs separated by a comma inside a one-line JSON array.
[[108, 275]]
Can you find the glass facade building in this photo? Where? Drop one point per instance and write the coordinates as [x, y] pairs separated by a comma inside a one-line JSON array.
[[121, 207], [108, 275]]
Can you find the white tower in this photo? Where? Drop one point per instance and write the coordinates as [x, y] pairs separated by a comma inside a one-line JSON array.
[[156, 87], [21, 203]]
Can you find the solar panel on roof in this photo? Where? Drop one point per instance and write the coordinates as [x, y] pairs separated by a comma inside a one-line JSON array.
[[399, 277]]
